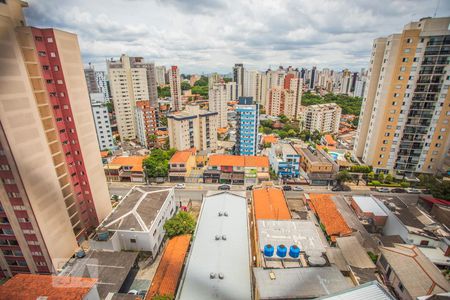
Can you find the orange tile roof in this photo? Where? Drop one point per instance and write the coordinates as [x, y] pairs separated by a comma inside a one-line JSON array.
[[31, 286], [269, 139], [238, 161], [222, 130], [104, 154], [161, 132], [330, 140], [169, 269], [134, 161], [180, 157], [269, 204], [329, 216]]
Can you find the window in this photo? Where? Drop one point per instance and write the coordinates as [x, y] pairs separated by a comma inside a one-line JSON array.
[[405, 59], [52, 54], [401, 287], [49, 40], [409, 41], [133, 241]]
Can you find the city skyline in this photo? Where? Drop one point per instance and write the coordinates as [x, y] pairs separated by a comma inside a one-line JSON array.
[[207, 37]]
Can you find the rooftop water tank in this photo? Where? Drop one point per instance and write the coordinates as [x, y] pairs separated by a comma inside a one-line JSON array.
[[268, 250], [316, 261], [294, 251], [281, 250], [103, 235]]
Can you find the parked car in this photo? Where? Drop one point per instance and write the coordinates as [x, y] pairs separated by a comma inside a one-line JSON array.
[[298, 188], [224, 187], [180, 186], [249, 188], [413, 191], [398, 190], [287, 188], [341, 188], [383, 190], [132, 292]]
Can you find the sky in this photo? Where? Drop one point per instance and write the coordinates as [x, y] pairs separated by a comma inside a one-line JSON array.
[[204, 36]]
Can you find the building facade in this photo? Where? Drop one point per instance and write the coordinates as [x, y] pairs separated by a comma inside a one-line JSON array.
[[284, 160], [102, 126], [218, 102], [238, 77], [193, 128], [146, 123], [175, 88], [321, 117], [247, 127], [404, 121], [51, 191]]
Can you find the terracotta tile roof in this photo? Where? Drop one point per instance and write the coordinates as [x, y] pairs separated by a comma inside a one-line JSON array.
[[330, 140], [104, 154], [169, 269], [31, 286], [269, 204], [269, 139], [134, 161], [329, 216], [222, 130], [238, 161], [180, 157]]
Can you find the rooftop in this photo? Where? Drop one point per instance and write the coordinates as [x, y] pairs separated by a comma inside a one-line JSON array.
[[302, 233], [217, 160], [416, 272], [369, 291], [314, 155], [109, 268], [354, 253], [219, 260], [180, 157], [329, 139], [269, 139], [329, 216], [299, 283], [284, 149], [368, 204], [169, 269], [137, 209], [133, 161], [32, 286], [269, 204]]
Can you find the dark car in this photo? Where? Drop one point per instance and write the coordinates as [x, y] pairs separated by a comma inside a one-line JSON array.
[[341, 188], [287, 188], [224, 187], [398, 190], [250, 187]]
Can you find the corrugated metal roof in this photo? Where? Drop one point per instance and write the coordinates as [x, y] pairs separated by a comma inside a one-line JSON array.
[[368, 204], [368, 291]]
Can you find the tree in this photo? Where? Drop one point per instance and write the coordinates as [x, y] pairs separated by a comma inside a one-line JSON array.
[[266, 130], [163, 121], [181, 223], [381, 177], [109, 106], [185, 86], [283, 118], [343, 176], [371, 176], [203, 81], [157, 163], [163, 92], [389, 178], [441, 190], [349, 105]]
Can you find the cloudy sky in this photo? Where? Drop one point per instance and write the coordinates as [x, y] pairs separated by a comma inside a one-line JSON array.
[[204, 36]]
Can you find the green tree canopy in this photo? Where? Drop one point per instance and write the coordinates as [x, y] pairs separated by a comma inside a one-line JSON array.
[[203, 81], [343, 176], [185, 86], [181, 223], [163, 92], [349, 105], [157, 163]]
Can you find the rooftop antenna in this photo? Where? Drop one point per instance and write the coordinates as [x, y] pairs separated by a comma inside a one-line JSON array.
[[437, 6]]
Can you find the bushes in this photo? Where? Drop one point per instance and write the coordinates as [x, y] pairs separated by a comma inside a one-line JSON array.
[[375, 183], [404, 184], [181, 223], [360, 169]]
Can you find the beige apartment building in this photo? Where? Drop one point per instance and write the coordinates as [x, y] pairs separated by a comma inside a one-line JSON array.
[[131, 80], [193, 128], [52, 190], [321, 117], [218, 102], [175, 88], [404, 121]]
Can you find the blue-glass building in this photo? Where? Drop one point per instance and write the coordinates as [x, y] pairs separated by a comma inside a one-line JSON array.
[[247, 117]]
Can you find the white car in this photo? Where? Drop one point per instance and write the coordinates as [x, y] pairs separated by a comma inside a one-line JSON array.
[[298, 188], [180, 186], [383, 190], [412, 191]]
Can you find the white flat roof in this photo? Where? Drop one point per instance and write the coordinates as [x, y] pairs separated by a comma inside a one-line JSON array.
[[209, 256], [302, 233], [368, 204]]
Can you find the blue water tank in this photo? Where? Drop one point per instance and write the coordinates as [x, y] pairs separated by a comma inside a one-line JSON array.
[[294, 251], [103, 235], [281, 250], [268, 250]]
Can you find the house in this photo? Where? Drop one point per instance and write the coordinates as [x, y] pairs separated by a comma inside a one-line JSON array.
[[269, 204], [316, 166], [168, 273], [236, 169], [218, 266], [329, 216], [269, 139], [181, 164], [328, 141], [372, 290], [125, 169], [410, 273], [33, 286], [284, 160], [368, 210], [136, 224]]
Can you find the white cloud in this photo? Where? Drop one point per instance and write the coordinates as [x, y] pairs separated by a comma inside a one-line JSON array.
[[212, 35]]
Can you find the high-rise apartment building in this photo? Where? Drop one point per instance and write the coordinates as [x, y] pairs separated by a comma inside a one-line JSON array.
[[253, 85], [231, 90], [102, 125], [238, 77], [97, 85], [312, 80], [286, 100], [175, 88], [193, 128], [213, 79], [321, 117], [128, 84], [160, 75], [218, 102], [52, 189], [247, 112], [146, 123], [404, 121]]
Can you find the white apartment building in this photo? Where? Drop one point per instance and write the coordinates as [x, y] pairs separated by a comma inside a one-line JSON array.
[[253, 85], [321, 117], [218, 102], [160, 75], [193, 127], [286, 101], [231, 90], [102, 126], [175, 88], [128, 85]]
